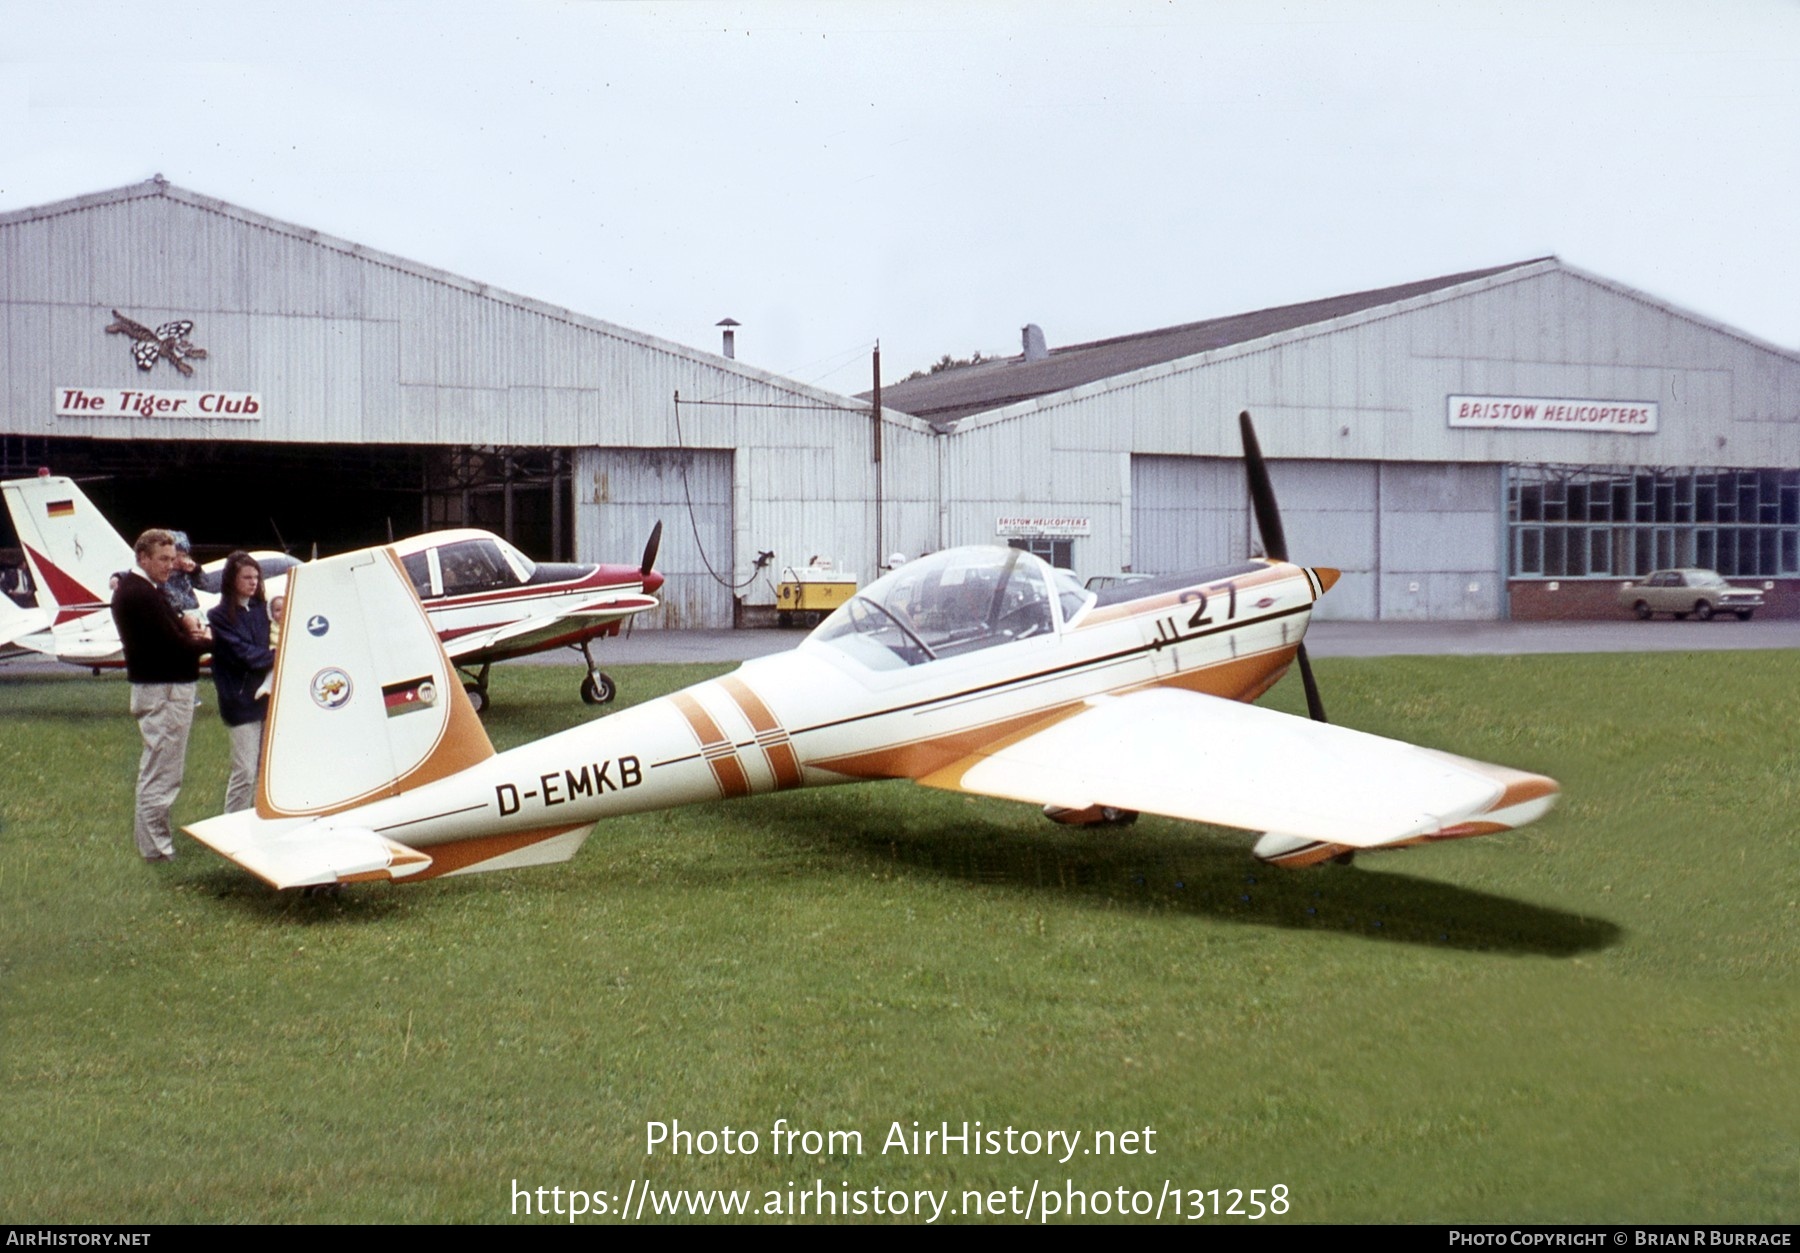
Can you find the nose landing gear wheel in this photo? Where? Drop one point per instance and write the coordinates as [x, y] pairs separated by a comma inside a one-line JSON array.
[[598, 688]]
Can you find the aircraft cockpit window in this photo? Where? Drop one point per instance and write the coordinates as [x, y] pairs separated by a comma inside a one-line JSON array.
[[1072, 595], [866, 632], [944, 605], [474, 565], [418, 569], [522, 565]]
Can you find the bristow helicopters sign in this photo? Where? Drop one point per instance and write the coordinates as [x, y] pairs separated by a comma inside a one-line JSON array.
[[1540, 413]]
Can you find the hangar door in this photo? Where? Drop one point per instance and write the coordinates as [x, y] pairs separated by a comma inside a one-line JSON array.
[[620, 493], [1191, 512]]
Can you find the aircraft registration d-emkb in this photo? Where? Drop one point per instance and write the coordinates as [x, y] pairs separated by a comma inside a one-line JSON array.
[[975, 669], [486, 600]]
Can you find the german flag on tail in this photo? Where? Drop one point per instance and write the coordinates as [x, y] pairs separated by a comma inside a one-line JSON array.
[[409, 696]]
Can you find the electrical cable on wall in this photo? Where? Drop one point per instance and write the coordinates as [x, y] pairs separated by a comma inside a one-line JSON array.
[[694, 525]]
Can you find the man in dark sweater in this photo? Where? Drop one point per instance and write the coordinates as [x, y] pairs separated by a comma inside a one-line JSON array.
[[162, 659]]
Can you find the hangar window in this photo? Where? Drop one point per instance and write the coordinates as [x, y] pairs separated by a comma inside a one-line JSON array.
[[1572, 522], [1058, 552]]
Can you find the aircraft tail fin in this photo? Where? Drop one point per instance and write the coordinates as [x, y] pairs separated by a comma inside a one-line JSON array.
[[364, 703], [72, 549]]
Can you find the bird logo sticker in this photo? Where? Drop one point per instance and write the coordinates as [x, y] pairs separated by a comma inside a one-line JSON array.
[[168, 341], [330, 688]]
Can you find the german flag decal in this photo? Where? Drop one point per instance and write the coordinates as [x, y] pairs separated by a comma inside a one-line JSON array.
[[60, 508], [409, 696]]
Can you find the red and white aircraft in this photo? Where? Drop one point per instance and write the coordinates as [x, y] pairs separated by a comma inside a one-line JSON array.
[[486, 600], [23, 632], [975, 669]]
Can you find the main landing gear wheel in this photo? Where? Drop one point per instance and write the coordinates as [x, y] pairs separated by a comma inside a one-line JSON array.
[[476, 686]]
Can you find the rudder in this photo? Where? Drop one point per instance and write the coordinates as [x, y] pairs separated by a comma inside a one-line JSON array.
[[364, 704]]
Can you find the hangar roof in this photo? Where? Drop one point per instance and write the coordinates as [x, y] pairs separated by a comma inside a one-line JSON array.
[[943, 397], [159, 187]]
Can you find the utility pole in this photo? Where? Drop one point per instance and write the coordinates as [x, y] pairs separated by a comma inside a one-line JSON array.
[[875, 412]]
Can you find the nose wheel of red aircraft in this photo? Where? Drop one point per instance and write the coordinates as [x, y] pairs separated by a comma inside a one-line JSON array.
[[598, 688]]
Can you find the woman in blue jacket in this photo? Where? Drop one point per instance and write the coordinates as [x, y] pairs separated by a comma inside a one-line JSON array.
[[241, 659]]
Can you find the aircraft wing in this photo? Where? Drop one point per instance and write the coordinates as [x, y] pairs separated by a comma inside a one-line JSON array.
[[523, 635], [23, 631], [1186, 755]]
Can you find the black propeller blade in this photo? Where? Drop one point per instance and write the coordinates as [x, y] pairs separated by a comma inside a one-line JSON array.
[[651, 549], [1262, 493], [1314, 705], [1268, 522]]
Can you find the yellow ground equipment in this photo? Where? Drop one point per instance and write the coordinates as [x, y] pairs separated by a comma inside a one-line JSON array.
[[812, 591]]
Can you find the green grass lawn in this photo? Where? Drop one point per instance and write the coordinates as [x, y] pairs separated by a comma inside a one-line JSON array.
[[1594, 1019]]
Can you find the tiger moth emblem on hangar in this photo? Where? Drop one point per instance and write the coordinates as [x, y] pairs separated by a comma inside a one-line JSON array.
[[168, 341]]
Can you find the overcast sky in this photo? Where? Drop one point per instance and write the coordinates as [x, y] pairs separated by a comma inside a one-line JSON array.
[[935, 175]]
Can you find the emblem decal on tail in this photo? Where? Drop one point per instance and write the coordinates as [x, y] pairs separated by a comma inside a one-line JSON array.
[[330, 688]]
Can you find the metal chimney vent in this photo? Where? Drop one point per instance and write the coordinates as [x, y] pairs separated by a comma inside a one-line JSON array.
[[1033, 338], [730, 348]]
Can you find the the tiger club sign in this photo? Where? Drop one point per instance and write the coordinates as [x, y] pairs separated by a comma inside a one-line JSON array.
[[134, 402]]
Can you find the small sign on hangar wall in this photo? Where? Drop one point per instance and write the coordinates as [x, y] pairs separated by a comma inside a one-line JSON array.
[[1549, 413]]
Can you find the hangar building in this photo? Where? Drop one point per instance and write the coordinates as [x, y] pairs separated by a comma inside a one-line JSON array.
[[342, 396], [1513, 441], [1510, 442]]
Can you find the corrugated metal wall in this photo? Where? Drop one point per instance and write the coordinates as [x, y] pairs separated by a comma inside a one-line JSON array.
[[621, 493], [1441, 542], [1187, 513], [1328, 509]]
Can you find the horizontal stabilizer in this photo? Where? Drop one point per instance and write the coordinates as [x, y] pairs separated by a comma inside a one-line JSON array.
[[296, 853], [1187, 755]]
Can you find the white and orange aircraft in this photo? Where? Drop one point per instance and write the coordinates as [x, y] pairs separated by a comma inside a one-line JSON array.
[[974, 669], [487, 601]]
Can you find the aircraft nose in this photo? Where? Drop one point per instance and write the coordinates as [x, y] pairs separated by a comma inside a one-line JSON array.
[[1327, 577]]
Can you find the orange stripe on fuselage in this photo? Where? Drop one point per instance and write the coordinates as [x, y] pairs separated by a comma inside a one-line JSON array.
[[770, 734], [727, 770], [1240, 679]]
